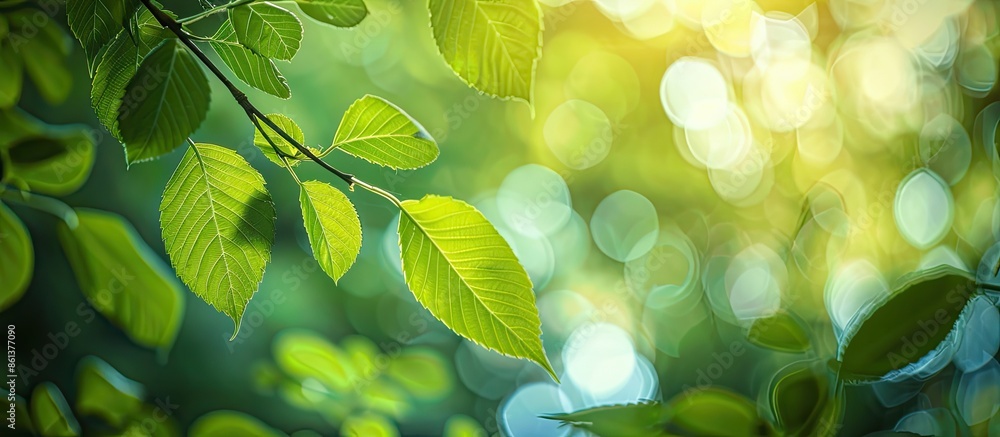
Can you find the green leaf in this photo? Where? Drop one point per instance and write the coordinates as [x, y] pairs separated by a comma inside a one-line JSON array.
[[95, 22], [797, 396], [493, 45], [164, 102], [379, 132], [123, 278], [368, 425], [340, 13], [269, 30], [627, 420], [332, 226], [218, 226], [12, 73], [782, 332], [895, 331], [286, 124], [50, 412], [56, 162], [105, 393], [303, 355], [461, 269], [119, 64], [226, 423], [17, 258], [716, 412], [253, 69]]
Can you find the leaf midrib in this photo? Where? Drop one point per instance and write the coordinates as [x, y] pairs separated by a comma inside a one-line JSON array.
[[218, 230]]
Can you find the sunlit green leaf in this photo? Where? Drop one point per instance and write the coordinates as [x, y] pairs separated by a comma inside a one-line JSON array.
[[226, 423], [218, 227], [379, 132], [95, 22], [12, 73], [492, 45], [253, 69], [164, 102], [122, 278], [17, 258], [50, 412], [269, 30], [645, 419], [119, 63], [294, 155], [715, 412], [55, 161], [340, 13], [797, 397], [332, 226], [302, 355], [368, 425], [105, 393], [461, 269], [463, 426], [892, 332], [781, 332]]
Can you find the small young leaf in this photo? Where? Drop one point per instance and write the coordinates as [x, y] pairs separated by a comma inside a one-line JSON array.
[[302, 355], [715, 412], [332, 226], [56, 162], [119, 63], [493, 45], [164, 102], [379, 132], [50, 412], [12, 73], [782, 332], [105, 393], [340, 13], [797, 396], [286, 124], [461, 269], [645, 419], [218, 227], [369, 425], [900, 329], [17, 258], [461, 425], [95, 22], [224, 423], [122, 278], [253, 69], [269, 30]]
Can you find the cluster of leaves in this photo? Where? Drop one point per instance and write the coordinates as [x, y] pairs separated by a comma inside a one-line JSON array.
[[151, 92], [122, 278], [106, 401], [31, 42], [354, 381]]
